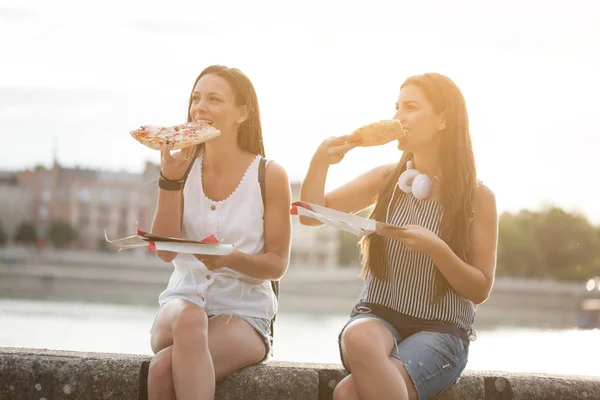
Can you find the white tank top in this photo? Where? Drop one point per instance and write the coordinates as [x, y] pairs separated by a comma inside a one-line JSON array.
[[236, 220]]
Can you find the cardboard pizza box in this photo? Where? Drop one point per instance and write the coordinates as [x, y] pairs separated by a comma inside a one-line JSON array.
[[210, 245], [354, 224]]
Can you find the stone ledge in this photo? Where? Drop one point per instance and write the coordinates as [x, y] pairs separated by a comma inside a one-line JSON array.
[[46, 374]]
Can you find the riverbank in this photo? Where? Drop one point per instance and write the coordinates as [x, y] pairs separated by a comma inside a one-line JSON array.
[[138, 279]]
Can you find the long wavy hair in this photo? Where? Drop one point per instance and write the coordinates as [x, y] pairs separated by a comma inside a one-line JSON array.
[[250, 131], [457, 185]]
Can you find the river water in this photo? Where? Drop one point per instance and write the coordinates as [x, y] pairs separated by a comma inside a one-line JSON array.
[[303, 338]]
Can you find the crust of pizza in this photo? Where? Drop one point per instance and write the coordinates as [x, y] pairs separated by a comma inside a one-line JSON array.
[[379, 133], [178, 136]]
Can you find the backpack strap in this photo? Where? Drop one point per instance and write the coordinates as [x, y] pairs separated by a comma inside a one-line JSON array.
[[274, 284], [261, 179], [187, 172]]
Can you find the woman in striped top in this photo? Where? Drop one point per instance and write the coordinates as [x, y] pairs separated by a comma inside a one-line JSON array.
[[409, 331]]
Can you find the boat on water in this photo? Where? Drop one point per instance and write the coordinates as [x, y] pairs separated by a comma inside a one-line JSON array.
[[589, 306]]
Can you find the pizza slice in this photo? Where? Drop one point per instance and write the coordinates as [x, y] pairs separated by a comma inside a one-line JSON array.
[[379, 133], [179, 136]]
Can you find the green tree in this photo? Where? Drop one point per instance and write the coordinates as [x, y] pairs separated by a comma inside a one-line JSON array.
[[26, 233], [61, 234], [3, 237], [518, 251], [550, 243], [570, 244], [102, 245]]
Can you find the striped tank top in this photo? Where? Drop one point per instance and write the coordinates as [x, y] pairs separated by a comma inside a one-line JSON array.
[[409, 288]]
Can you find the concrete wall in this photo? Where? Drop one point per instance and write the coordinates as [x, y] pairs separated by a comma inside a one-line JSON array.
[[43, 374]]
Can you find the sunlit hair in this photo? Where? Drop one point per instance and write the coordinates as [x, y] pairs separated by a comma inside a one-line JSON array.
[[458, 182], [250, 131]]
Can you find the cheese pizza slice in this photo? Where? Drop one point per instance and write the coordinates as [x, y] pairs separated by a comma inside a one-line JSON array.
[[379, 133], [179, 136]]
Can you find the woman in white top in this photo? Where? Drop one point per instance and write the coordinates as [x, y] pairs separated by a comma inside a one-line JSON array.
[[215, 313]]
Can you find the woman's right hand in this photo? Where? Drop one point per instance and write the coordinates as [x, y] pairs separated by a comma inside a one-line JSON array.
[[173, 166], [333, 149]]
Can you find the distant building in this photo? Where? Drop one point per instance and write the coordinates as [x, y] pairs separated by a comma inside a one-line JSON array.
[[16, 203], [90, 201], [93, 201]]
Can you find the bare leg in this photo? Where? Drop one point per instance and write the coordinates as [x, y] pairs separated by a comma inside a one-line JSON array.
[[184, 326], [160, 376], [233, 344], [345, 390], [366, 347], [193, 371]]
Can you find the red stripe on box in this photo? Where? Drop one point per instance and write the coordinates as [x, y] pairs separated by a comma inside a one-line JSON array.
[[301, 204], [151, 246], [210, 239]]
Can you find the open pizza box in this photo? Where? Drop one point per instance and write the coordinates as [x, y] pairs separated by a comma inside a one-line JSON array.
[[210, 245], [354, 224]]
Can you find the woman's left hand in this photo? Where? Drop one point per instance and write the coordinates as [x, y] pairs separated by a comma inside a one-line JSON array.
[[215, 262], [416, 238]]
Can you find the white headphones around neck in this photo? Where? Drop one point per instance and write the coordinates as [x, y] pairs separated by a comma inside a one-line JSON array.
[[412, 181]]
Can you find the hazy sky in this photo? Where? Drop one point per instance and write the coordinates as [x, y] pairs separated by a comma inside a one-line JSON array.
[[79, 76]]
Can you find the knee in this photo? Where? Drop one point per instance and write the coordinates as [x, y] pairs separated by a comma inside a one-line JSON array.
[[159, 341], [191, 321], [358, 342], [160, 369], [344, 390]]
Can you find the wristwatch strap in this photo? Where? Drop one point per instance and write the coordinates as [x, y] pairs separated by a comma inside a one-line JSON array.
[[168, 184]]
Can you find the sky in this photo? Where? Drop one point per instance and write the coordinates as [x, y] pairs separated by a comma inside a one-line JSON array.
[[75, 78]]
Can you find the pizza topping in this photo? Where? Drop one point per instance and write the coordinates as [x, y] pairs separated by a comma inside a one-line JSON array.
[[181, 136]]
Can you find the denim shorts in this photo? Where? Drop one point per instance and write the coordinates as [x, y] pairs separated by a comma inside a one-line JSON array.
[[433, 360], [261, 325]]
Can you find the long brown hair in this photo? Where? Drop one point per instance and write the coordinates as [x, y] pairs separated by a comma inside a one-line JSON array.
[[457, 186], [250, 132]]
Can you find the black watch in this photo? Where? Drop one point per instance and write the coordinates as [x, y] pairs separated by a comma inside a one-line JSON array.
[[168, 184]]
